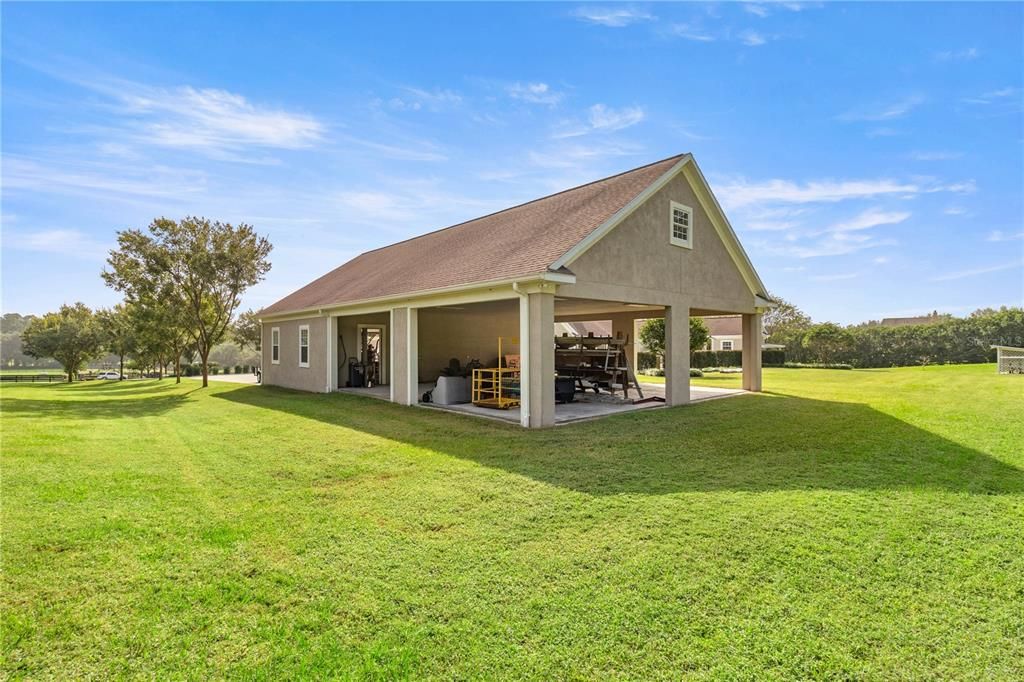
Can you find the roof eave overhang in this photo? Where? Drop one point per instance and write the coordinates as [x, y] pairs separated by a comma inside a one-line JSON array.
[[426, 297]]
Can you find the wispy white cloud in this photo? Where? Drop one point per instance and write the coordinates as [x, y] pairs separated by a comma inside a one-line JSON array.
[[573, 155], [770, 225], [937, 155], [690, 32], [880, 260], [995, 96], [421, 99], [964, 187], [94, 179], [884, 112], [955, 210], [603, 119], [834, 277], [1000, 236], [614, 17], [213, 119], [882, 131], [763, 9], [962, 55], [752, 38], [408, 206], [831, 246], [534, 93], [869, 219], [412, 151], [963, 274], [738, 193], [606, 119], [63, 242]]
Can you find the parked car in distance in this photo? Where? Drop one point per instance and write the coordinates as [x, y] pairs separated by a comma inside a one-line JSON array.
[[109, 375]]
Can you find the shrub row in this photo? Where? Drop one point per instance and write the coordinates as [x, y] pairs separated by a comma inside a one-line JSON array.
[[734, 358], [817, 365], [942, 342]]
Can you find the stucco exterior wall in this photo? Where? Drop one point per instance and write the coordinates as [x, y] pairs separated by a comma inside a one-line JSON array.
[[465, 334], [737, 342], [287, 372], [636, 262]]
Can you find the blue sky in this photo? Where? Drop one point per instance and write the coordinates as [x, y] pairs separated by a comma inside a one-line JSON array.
[[870, 156]]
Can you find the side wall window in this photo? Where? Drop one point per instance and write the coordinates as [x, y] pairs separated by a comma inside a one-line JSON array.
[[304, 345], [275, 345], [681, 225]]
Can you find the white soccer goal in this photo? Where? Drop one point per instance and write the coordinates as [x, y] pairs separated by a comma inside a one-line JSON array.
[[1009, 360]]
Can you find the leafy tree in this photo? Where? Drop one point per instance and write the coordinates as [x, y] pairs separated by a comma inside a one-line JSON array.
[[652, 335], [700, 335], [118, 328], [246, 330], [828, 342], [72, 336], [197, 266], [784, 321]]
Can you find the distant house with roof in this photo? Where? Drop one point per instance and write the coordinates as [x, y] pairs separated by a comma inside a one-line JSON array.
[[934, 316], [726, 333]]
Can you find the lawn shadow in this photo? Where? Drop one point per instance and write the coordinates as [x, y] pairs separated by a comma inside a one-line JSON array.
[[753, 443], [128, 387], [124, 403]]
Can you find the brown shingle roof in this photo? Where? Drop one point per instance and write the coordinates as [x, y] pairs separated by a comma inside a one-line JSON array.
[[516, 242], [724, 326]]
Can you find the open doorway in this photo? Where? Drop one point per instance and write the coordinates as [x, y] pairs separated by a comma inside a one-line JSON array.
[[369, 367]]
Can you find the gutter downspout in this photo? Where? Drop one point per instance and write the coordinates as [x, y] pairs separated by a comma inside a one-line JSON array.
[[524, 355]]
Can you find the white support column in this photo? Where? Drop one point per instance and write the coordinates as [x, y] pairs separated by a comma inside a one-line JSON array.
[[404, 372], [524, 360], [677, 355], [541, 355], [752, 339], [412, 357], [332, 354]]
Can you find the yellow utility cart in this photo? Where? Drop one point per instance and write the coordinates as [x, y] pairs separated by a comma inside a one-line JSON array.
[[498, 387]]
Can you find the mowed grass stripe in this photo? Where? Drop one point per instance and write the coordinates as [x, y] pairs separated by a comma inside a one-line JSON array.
[[844, 524]]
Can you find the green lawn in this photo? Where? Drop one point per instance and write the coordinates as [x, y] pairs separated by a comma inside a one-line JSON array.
[[845, 524]]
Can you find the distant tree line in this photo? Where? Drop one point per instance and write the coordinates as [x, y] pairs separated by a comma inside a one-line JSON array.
[[939, 339], [943, 339], [12, 354], [182, 283]]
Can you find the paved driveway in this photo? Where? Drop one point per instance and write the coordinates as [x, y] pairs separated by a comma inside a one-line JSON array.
[[232, 378]]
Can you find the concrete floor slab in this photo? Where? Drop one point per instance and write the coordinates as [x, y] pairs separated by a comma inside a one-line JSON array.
[[579, 410]]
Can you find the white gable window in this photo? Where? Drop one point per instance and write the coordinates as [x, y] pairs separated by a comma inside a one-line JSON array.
[[726, 345], [682, 226], [275, 345], [304, 345]]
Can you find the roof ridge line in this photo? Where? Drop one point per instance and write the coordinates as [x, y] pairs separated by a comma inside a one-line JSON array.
[[525, 203]]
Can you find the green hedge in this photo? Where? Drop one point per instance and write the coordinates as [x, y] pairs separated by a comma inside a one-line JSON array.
[[817, 365], [942, 342], [646, 360], [734, 358]]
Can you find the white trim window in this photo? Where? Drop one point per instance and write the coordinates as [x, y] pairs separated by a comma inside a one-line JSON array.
[[681, 225], [275, 345], [726, 345], [303, 345]]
